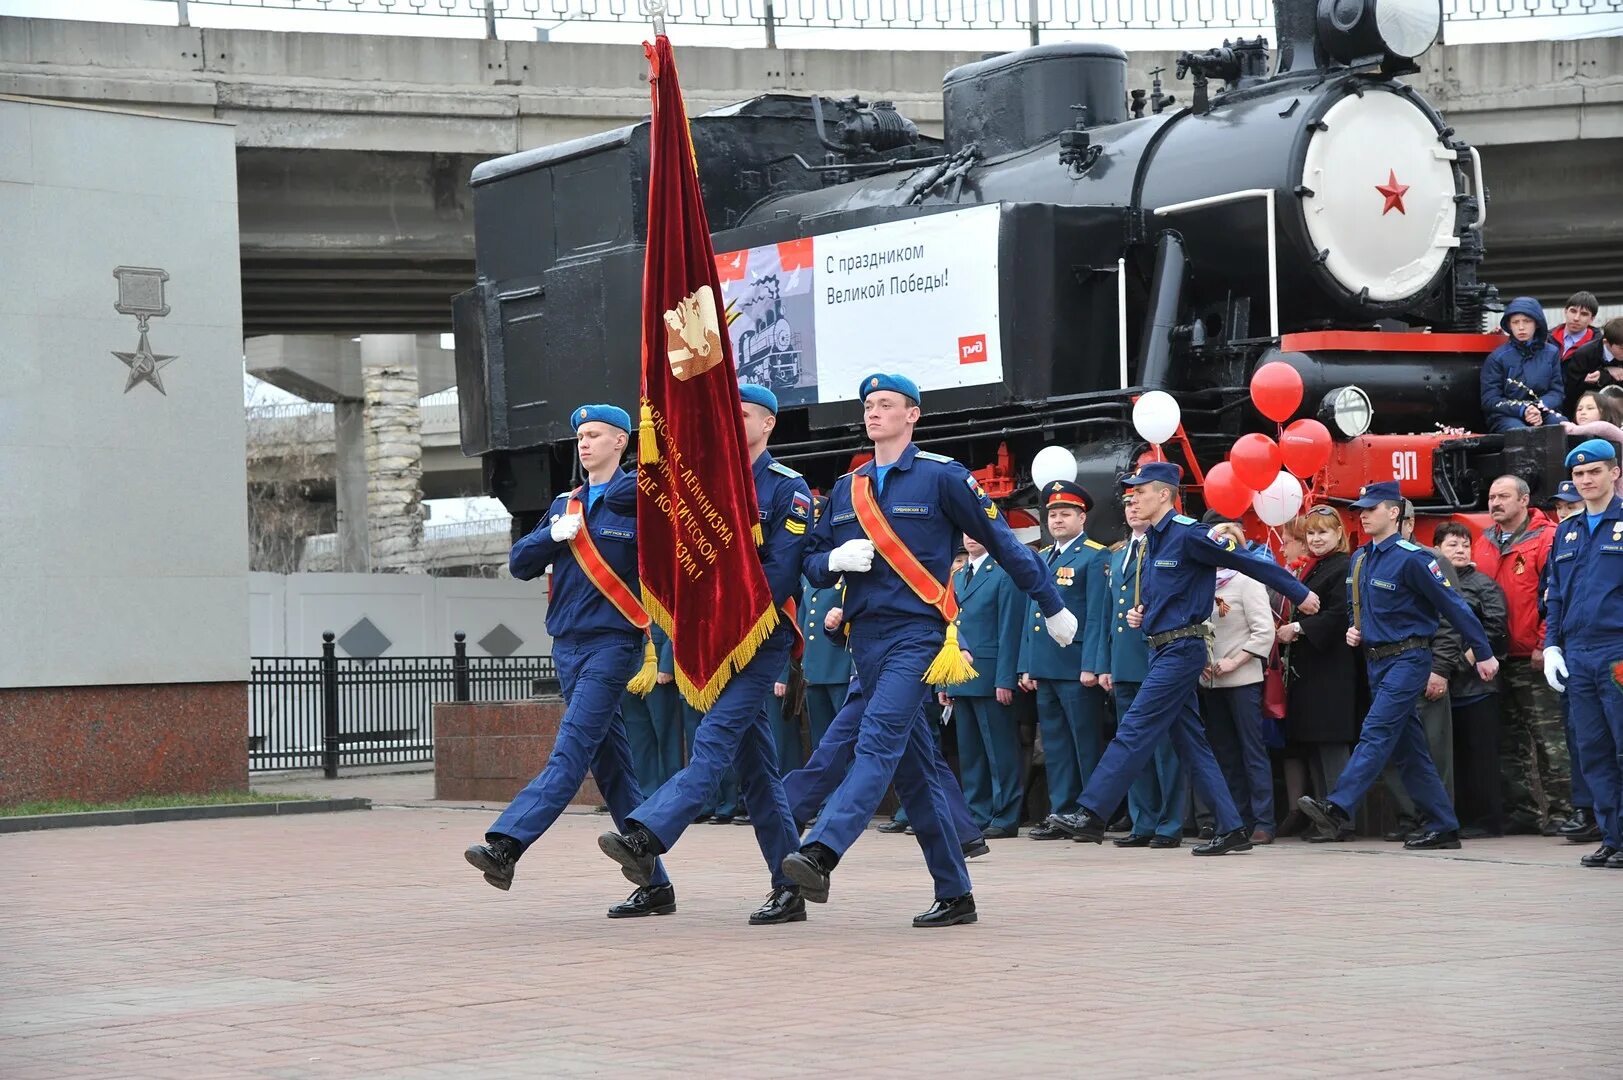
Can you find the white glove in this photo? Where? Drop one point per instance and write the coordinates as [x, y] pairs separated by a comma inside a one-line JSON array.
[[852, 557], [1062, 627], [1555, 669], [565, 528]]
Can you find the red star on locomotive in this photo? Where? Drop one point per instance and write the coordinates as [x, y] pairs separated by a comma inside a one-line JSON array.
[[1394, 193]]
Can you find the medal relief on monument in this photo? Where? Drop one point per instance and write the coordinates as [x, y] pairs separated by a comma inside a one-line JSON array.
[[140, 293]]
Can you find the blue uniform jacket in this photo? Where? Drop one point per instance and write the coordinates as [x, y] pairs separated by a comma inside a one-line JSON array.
[[1078, 575], [826, 662], [785, 507], [989, 610], [1585, 597], [577, 607], [928, 499], [1177, 585], [1129, 650], [1401, 593]]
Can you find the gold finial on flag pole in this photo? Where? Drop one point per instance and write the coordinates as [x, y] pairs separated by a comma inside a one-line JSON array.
[[656, 11]]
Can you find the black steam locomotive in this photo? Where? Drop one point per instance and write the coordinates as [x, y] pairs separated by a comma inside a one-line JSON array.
[[1067, 245]]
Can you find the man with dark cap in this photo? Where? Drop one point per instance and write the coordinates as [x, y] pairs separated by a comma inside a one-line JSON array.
[[1175, 587], [1397, 591]]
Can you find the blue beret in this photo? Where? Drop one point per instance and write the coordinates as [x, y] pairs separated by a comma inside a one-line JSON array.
[[1167, 472], [1568, 492], [901, 384], [1372, 495], [1067, 493], [612, 415], [758, 395], [1591, 450]]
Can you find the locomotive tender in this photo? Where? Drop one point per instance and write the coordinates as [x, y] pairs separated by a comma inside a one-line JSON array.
[[1064, 247]]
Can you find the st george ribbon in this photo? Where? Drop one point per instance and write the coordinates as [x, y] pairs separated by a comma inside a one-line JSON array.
[[696, 510]]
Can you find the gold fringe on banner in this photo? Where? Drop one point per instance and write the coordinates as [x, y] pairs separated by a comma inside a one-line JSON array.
[[647, 441], [642, 683], [703, 697], [949, 667]]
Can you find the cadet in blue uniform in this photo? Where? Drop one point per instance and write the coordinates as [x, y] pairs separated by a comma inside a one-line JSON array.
[[1175, 586], [596, 649], [736, 728], [912, 505], [1397, 591], [1070, 703], [1583, 639], [826, 665], [1156, 800], [990, 608]]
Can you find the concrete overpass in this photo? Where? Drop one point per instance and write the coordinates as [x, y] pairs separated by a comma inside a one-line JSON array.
[[354, 151]]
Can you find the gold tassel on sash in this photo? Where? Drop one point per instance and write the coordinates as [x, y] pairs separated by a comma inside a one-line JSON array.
[[647, 443], [949, 667], [642, 683]]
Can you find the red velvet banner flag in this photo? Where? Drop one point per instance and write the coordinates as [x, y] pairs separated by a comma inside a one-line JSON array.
[[696, 514]]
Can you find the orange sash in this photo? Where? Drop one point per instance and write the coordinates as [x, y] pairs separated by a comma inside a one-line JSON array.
[[791, 611], [599, 572]]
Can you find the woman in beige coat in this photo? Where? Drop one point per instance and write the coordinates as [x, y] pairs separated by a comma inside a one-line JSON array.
[[1232, 698]]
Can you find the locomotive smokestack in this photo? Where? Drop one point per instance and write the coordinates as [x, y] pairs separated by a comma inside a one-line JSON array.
[[1296, 29]]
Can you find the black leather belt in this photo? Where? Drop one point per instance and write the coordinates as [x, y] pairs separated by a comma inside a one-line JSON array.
[[1197, 630], [1381, 652]]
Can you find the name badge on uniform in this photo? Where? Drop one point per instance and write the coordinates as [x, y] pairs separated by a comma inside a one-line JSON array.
[[617, 534], [1379, 584], [1064, 575], [844, 516], [910, 510], [1168, 563]]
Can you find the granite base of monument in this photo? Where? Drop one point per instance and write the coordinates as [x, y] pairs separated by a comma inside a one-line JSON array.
[[110, 743], [487, 751]]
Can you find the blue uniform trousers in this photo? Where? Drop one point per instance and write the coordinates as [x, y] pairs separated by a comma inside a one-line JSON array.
[[808, 788], [989, 761], [1156, 799], [1234, 728], [1071, 719], [785, 736], [1596, 706], [823, 701], [735, 730], [592, 672], [724, 803], [1582, 799], [1165, 705], [1392, 731], [894, 743]]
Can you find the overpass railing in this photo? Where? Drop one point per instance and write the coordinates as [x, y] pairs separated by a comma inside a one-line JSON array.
[[1025, 16]]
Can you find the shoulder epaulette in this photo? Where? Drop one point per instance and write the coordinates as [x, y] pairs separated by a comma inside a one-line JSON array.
[[1182, 519], [1408, 545], [1045, 549], [782, 470], [1094, 544], [928, 456]]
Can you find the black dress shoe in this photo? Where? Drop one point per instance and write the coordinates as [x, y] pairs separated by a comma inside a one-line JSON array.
[[785, 905], [975, 848], [1581, 827], [1133, 840], [702, 818], [1435, 840], [635, 851], [1319, 836], [893, 827], [1159, 841], [1475, 832], [1398, 834], [960, 909], [810, 868], [648, 900], [1047, 831], [741, 819], [1084, 826], [495, 859], [1295, 824], [1331, 819], [721, 819], [1600, 856], [1123, 824], [1615, 862], [1225, 843], [998, 832]]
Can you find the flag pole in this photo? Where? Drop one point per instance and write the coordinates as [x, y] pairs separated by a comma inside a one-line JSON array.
[[656, 11]]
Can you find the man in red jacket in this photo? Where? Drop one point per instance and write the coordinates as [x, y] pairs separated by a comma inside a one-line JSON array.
[[1533, 744]]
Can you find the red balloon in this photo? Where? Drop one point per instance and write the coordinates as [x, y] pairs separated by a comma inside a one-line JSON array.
[[1225, 493], [1305, 447], [1255, 458], [1276, 390]]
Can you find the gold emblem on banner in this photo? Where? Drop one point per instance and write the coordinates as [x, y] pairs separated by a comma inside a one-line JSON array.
[[693, 334]]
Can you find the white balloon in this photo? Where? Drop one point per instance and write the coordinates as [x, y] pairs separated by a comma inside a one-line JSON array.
[[1052, 463], [1279, 501], [1156, 416]]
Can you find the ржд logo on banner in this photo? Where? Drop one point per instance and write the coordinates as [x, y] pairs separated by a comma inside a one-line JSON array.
[[696, 515]]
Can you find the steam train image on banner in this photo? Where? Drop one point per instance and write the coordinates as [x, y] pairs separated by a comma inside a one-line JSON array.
[[1068, 245]]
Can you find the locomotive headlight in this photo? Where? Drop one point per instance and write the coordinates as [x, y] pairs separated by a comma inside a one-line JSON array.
[[1355, 30], [1347, 411]]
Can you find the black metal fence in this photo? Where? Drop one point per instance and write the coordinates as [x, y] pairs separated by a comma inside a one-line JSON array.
[[330, 711]]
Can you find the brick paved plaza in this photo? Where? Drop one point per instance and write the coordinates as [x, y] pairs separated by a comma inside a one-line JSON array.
[[361, 945]]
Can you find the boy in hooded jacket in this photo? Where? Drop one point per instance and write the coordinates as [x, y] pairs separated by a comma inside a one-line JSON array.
[[1522, 385]]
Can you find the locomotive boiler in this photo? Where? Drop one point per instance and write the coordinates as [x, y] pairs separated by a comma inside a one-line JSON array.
[[1069, 243]]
